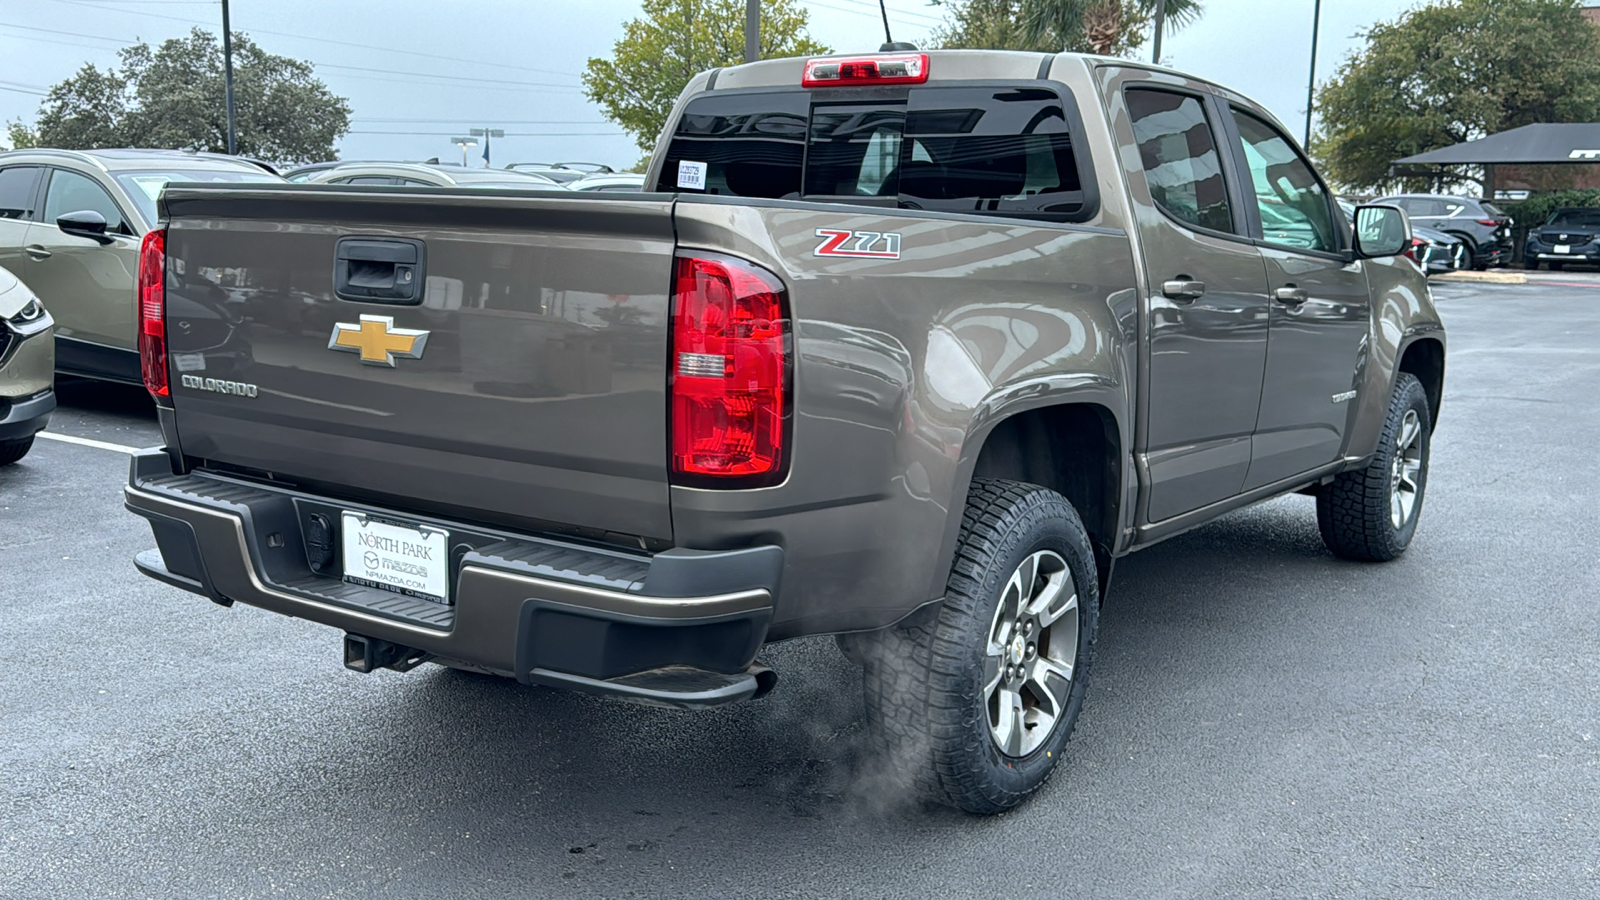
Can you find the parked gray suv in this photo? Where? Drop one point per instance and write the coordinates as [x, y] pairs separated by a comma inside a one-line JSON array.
[[1486, 230]]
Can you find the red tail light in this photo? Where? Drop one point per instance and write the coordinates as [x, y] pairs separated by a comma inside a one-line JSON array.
[[855, 71], [729, 391], [152, 311], [1488, 221], [1415, 251]]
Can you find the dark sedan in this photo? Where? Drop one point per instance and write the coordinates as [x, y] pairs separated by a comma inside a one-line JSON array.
[[1569, 235]]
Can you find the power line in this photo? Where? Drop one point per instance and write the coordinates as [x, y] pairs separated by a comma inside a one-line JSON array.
[[408, 76], [99, 4], [469, 120], [507, 134], [874, 13]]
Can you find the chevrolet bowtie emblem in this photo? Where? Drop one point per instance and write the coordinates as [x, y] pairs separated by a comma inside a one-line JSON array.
[[377, 340]]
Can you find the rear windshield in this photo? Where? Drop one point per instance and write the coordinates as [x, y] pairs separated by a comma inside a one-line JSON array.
[[995, 150]]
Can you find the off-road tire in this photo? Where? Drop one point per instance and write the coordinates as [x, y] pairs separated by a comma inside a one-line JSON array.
[[925, 698], [1353, 511], [11, 451]]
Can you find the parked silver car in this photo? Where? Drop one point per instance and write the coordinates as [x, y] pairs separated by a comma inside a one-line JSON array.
[[395, 174]]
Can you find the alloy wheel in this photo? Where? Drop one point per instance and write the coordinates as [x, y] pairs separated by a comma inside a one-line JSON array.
[[1032, 653], [1405, 470]]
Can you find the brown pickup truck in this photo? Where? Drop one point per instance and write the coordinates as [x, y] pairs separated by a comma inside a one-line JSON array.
[[906, 348]]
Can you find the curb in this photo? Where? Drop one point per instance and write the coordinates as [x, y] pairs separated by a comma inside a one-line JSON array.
[[1482, 277]]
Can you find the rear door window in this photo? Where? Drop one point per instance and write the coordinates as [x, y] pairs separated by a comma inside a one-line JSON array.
[[999, 150], [17, 184], [1181, 163]]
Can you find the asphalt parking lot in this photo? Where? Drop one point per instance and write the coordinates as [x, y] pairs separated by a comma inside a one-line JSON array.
[[1266, 720]]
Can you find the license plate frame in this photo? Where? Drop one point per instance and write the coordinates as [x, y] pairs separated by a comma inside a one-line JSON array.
[[390, 554]]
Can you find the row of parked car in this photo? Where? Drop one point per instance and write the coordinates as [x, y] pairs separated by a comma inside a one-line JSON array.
[[542, 176], [71, 222]]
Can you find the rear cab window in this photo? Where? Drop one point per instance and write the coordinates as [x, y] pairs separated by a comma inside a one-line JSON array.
[[1006, 149]]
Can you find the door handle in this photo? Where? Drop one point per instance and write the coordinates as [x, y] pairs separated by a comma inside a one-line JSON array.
[[37, 252], [1183, 289], [1290, 295]]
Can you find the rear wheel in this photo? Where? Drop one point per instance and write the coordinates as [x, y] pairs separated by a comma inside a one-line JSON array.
[[972, 707], [11, 451], [1371, 514]]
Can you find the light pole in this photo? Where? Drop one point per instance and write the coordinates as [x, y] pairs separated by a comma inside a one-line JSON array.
[[486, 134], [1161, 21], [752, 30], [227, 72], [1311, 86], [464, 143]]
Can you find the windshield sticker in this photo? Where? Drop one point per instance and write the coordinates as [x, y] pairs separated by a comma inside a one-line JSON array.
[[151, 184], [858, 244], [692, 175]]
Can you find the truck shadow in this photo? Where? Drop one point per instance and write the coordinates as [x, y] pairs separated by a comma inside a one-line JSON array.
[[609, 780]]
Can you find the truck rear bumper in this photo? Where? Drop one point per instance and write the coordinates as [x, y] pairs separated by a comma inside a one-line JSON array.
[[678, 628]]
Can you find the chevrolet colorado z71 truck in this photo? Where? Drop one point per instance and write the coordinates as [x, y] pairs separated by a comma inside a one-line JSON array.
[[905, 348]]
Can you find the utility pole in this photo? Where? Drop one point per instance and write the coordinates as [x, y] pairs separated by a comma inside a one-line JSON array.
[[486, 134], [227, 73], [752, 30], [1161, 21], [1311, 87], [464, 143]]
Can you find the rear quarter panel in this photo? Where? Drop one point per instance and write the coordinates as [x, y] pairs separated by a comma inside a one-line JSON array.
[[901, 366]]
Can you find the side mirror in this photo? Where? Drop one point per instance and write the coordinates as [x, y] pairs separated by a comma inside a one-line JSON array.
[[1381, 231], [84, 223]]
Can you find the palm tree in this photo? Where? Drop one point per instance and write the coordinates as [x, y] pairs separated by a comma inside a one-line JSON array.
[[1100, 26]]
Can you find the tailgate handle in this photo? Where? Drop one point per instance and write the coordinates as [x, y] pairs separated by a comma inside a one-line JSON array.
[[379, 270]]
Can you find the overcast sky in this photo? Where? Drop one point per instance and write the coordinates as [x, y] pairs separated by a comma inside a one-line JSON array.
[[418, 72]]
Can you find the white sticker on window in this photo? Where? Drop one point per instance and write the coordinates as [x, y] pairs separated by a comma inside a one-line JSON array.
[[151, 184], [692, 175]]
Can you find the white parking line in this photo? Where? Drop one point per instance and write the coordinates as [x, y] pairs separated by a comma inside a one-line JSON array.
[[87, 442]]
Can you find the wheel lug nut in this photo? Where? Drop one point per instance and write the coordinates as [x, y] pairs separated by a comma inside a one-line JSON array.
[[1032, 649]]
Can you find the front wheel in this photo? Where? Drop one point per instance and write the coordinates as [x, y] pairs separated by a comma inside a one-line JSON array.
[[1371, 514], [973, 706]]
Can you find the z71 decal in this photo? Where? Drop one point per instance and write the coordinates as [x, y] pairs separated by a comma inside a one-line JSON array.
[[858, 244]]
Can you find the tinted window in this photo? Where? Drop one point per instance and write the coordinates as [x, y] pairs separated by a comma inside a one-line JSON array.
[[989, 150], [752, 145], [1180, 158], [1006, 150], [1294, 207], [71, 192], [16, 191]]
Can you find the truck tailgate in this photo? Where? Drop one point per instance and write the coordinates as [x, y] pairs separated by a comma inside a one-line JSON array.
[[536, 396]]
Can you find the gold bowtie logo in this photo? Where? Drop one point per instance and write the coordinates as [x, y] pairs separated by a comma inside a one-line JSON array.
[[377, 340]]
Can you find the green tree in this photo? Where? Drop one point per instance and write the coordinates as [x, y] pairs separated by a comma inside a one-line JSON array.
[[173, 97], [21, 136], [1440, 75], [674, 41], [1108, 27]]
